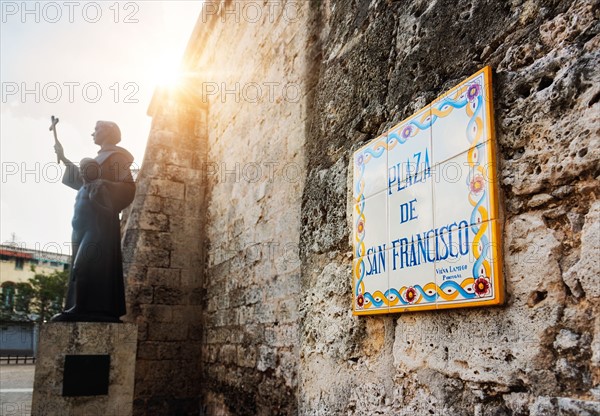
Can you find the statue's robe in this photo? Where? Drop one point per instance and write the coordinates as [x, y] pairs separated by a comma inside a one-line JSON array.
[[96, 288]]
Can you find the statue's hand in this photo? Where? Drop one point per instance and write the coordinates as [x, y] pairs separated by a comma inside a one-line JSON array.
[[60, 152]]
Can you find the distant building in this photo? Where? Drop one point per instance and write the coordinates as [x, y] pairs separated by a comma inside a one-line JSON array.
[[19, 264], [18, 336]]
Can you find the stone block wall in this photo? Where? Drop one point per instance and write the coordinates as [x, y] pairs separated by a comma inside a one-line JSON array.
[[251, 60], [540, 353], [163, 252]]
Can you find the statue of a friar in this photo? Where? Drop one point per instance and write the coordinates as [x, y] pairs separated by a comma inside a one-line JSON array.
[[105, 187]]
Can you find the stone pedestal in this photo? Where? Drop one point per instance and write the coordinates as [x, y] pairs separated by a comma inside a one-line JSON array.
[[85, 369]]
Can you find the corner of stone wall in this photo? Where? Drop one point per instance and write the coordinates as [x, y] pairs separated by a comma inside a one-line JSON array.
[[164, 253]]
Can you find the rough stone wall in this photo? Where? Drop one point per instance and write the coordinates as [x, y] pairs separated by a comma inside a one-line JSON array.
[[164, 256], [538, 354], [250, 59]]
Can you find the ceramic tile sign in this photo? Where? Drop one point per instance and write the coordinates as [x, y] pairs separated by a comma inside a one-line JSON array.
[[425, 223]]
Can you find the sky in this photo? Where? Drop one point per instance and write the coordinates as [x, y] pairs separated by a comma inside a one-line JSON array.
[[81, 62]]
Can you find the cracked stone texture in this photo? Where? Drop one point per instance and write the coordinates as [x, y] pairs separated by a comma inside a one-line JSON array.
[[380, 61], [254, 177]]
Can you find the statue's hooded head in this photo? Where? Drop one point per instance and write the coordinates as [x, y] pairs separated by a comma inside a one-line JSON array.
[[106, 132]]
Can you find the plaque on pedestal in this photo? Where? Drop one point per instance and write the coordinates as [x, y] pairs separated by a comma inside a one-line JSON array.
[[85, 368]]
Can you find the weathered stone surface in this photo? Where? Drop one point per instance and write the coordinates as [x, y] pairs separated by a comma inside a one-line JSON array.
[[583, 277], [254, 177], [381, 61], [563, 406], [58, 339]]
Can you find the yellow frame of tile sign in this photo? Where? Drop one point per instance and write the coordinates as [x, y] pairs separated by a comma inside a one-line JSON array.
[[426, 229]]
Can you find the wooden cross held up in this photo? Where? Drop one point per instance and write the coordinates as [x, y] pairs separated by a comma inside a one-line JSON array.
[[53, 129]]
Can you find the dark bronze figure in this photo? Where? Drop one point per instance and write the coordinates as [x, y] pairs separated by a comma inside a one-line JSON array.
[[105, 187]]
